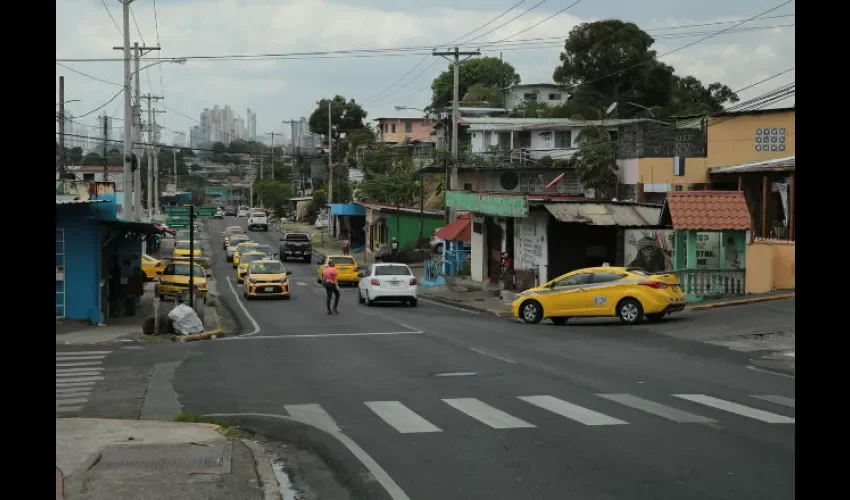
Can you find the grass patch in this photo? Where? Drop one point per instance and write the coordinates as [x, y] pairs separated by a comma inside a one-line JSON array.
[[158, 339], [230, 432]]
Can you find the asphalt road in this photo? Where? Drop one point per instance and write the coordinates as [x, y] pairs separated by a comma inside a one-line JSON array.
[[458, 405]]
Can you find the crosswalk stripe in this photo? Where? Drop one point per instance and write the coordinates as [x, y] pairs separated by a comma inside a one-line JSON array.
[[79, 358], [75, 384], [81, 353], [75, 401], [92, 373], [780, 400], [78, 380], [744, 411], [657, 409], [314, 414], [69, 409], [486, 414], [400, 417], [571, 411], [72, 391], [79, 370], [84, 363], [79, 377]]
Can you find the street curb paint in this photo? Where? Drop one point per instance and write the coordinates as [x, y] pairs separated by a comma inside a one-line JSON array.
[[263, 466], [739, 302]]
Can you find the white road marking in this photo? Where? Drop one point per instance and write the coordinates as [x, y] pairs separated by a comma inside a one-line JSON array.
[[85, 363], [69, 409], [74, 384], [456, 374], [744, 411], [770, 372], [449, 307], [73, 391], [90, 373], [81, 353], [318, 335], [384, 479], [300, 283], [75, 401], [491, 355], [87, 378], [657, 409], [78, 358], [314, 414], [244, 310], [78, 370], [486, 414], [573, 412], [780, 400], [401, 418]]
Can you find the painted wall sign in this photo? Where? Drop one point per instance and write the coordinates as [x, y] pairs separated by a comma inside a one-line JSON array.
[[505, 206]]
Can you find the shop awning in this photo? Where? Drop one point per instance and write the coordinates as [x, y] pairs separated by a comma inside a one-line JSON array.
[[606, 214], [459, 230], [132, 227]]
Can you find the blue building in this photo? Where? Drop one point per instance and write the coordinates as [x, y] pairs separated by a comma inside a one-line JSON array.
[[349, 220], [98, 257]]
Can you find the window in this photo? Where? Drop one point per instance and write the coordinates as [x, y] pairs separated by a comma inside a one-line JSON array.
[[243, 247], [467, 186], [563, 139], [408, 127], [264, 249], [266, 268], [392, 128], [88, 177], [576, 279], [607, 277], [251, 257], [530, 96], [488, 139], [297, 237], [525, 140], [613, 135], [344, 261], [392, 271], [555, 96], [182, 270]]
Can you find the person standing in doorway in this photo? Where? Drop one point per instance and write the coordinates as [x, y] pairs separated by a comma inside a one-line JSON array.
[[331, 287]]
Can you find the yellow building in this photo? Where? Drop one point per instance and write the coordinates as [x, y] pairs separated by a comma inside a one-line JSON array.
[[734, 138]]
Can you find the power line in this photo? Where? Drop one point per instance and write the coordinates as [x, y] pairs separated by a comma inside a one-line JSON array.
[[503, 14], [115, 23], [87, 75], [482, 35], [156, 27], [543, 21], [95, 110], [765, 80]]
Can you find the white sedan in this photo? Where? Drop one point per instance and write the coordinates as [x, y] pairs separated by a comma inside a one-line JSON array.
[[387, 283]]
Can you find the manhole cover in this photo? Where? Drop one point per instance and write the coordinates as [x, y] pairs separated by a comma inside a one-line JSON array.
[[190, 459]]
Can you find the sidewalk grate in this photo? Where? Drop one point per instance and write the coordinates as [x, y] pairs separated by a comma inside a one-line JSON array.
[[213, 458]]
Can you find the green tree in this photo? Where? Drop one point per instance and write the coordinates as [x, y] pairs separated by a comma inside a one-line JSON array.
[[346, 115], [75, 156], [92, 159], [273, 194], [596, 162], [488, 72], [379, 159], [481, 93], [219, 152], [320, 199]]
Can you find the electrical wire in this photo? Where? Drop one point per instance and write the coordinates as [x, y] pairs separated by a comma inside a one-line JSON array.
[[156, 27], [541, 22], [503, 14], [87, 75], [114, 22], [95, 110], [765, 80], [482, 35]]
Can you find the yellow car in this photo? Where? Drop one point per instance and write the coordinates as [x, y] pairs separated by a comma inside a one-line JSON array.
[[174, 279], [346, 269], [245, 259], [228, 232], [266, 278], [240, 249], [151, 267], [181, 249], [594, 292]]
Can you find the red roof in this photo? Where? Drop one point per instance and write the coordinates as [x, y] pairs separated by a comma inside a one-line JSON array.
[[708, 210], [459, 230]]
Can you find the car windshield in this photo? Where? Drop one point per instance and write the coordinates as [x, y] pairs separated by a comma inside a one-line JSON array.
[[258, 214], [243, 246], [233, 230], [251, 257], [344, 261], [392, 271], [266, 250], [237, 239], [183, 270], [266, 268], [296, 237], [184, 245]]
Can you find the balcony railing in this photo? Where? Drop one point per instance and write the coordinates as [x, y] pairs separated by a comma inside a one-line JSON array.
[[517, 158], [704, 284]]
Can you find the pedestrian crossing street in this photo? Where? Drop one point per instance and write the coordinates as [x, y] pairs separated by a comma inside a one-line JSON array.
[[710, 410], [77, 372]]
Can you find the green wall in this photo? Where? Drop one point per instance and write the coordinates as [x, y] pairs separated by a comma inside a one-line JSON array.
[[405, 227]]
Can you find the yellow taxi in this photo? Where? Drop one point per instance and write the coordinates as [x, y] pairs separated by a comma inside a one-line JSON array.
[[600, 292], [174, 279], [240, 249], [228, 232], [245, 259], [181, 249], [151, 267], [267, 278], [346, 269]]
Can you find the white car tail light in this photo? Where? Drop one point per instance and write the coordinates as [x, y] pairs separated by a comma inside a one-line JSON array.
[[375, 282], [413, 281]]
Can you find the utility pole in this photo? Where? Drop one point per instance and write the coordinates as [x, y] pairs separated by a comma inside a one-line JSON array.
[[126, 211], [155, 151], [261, 166], [152, 178], [105, 140], [292, 142], [61, 128], [330, 156], [174, 154], [451, 180], [272, 161]]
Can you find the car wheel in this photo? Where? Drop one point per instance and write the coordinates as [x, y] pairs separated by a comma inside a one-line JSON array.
[[560, 320], [319, 281], [306, 259], [360, 299], [629, 311], [655, 317], [368, 301], [413, 302], [531, 312]]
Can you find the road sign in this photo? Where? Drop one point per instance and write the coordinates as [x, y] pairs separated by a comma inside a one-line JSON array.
[[174, 210], [179, 225], [205, 211]]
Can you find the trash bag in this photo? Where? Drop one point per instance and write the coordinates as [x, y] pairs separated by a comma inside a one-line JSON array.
[[186, 320]]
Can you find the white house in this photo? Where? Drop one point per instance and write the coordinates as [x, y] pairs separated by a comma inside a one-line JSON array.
[[546, 93], [95, 173]]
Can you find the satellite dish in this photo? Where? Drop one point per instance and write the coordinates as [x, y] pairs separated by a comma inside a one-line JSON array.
[[611, 108]]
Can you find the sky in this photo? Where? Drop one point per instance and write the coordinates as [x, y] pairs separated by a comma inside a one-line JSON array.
[[280, 89]]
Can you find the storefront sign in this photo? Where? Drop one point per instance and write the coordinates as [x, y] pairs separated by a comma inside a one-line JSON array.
[[504, 206]]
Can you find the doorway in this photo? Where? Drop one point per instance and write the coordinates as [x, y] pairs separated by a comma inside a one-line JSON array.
[[494, 248]]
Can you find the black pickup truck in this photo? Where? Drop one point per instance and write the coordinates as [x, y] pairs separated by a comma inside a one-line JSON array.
[[296, 246]]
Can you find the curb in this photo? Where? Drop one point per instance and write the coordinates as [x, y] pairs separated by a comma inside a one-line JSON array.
[[463, 305], [263, 465], [740, 302]]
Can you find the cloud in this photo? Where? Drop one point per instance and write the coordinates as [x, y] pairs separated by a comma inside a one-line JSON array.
[[284, 89]]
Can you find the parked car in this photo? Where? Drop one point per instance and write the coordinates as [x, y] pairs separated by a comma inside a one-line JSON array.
[[174, 280], [599, 292], [151, 267], [296, 246], [387, 283]]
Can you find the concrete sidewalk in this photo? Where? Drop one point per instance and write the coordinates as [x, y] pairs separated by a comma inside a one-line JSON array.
[[101, 459]]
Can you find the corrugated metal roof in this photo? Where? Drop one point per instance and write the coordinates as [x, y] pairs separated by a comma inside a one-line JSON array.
[[606, 214], [77, 202], [776, 165]]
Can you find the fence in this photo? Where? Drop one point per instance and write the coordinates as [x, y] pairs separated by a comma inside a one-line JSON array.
[[703, 284]]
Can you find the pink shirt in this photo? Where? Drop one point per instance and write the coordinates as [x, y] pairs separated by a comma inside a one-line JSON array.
[[329, 275]]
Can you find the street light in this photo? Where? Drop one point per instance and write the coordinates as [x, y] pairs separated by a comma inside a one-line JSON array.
[[66, 102], [175, 60]]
